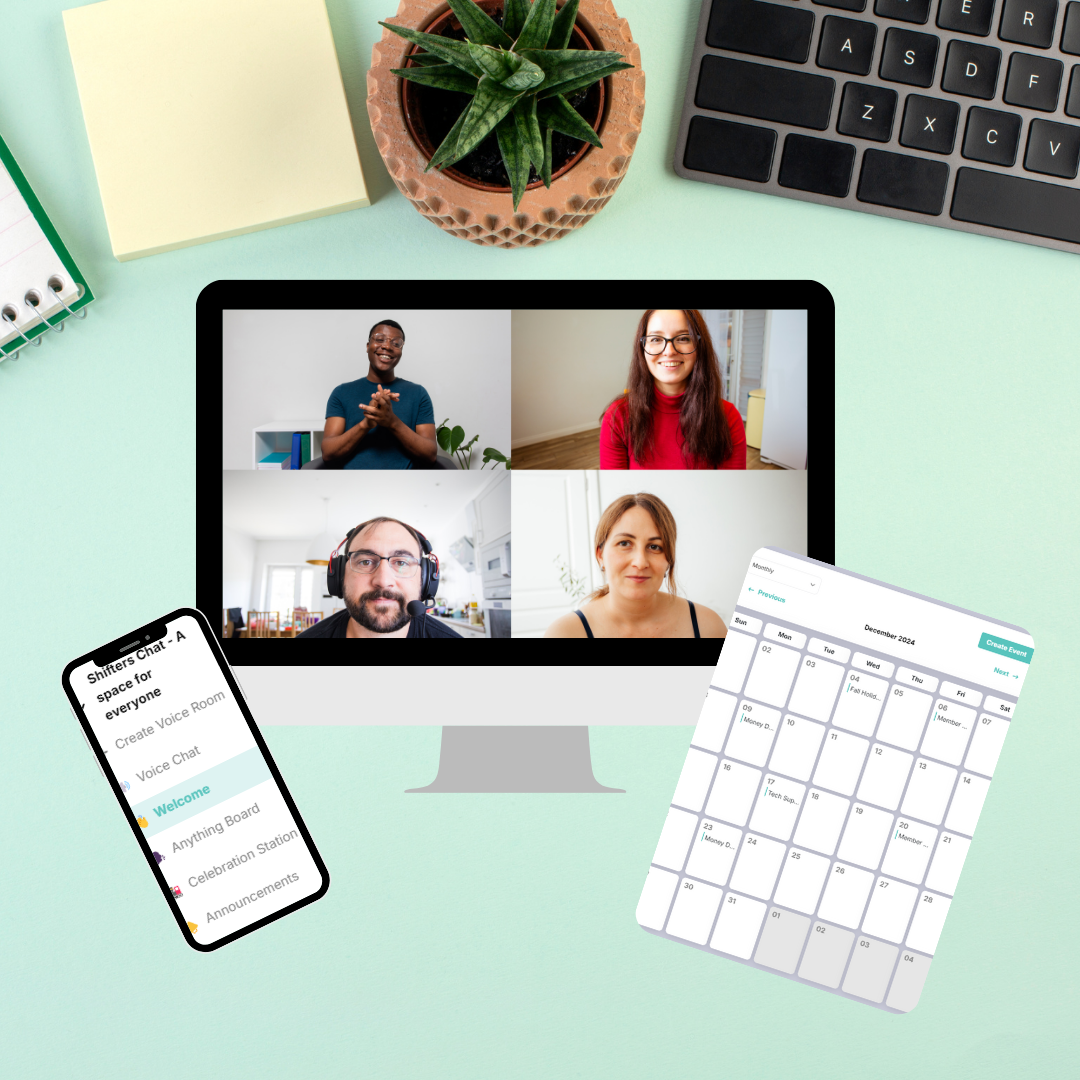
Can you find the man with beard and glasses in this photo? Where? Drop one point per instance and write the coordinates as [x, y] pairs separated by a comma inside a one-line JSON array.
[[382, 575], [380, 421]]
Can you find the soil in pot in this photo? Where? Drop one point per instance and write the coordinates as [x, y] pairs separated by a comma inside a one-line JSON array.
[[438, 111]]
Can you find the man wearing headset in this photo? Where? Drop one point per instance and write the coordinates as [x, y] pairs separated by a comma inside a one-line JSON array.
[[385, 573]]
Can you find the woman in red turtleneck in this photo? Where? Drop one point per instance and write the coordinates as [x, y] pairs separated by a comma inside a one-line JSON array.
[[672, 415]]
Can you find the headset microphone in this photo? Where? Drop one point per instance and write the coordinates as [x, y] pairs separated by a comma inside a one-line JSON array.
[[416, 608]]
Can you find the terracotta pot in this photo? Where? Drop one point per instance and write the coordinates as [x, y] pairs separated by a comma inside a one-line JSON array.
[[482, 213]]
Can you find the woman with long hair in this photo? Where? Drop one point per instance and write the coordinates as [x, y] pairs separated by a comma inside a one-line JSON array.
[[635, 549], [672, 414]]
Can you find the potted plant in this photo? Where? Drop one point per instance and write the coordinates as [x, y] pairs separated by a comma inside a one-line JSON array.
[[548, 129]]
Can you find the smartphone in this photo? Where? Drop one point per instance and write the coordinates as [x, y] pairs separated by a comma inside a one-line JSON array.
[[173, 735]]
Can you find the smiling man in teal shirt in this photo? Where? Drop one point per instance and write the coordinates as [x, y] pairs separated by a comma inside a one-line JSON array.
[[380, 421]]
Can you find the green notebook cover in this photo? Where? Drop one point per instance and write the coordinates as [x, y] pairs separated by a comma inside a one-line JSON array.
[[305, 448], [18, 252]]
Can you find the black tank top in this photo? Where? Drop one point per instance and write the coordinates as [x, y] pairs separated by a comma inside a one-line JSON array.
[[588, 630]]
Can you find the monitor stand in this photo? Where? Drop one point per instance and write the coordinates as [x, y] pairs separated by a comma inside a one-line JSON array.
[[512, 759]]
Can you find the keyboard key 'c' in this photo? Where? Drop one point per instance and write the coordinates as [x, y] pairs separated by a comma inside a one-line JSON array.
[[765, 93], [747, 26], [902, 182], [1013, 202]]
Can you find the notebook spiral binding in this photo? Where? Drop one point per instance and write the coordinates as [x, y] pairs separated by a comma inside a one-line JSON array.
[[11, 350]]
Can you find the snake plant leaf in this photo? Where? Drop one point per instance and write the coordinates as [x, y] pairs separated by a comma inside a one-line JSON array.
[[489, 105], [583, 81], [527, 77], [446, 152], [557, 113], [497, 63], [537, 29], [528, 132], [453, 52], [564, 65], [545, 172], [478, 25], [441, 76], [563, 25], [425, 59], [514, 14], [515, 157]]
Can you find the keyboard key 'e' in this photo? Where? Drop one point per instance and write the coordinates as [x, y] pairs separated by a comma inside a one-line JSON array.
[[902, 182], [1011, 202], [745, 152], [765, 93], [867, 112], [991, 136], [738, 925], [1052, 148], [818, 165], [908, 57], [846, 45], [971, 70], [967, 16], [746, 26], [1029, 22]]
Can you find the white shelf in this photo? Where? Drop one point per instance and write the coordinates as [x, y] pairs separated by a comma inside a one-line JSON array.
[[276, 438]]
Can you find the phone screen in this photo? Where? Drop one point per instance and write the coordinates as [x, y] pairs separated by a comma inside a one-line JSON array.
[[163, 714]]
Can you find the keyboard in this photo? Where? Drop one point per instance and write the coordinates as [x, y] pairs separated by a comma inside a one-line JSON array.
[[958, 113], [834, 780]]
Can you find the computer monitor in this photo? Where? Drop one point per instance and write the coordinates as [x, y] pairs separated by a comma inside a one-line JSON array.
[[527, 377]]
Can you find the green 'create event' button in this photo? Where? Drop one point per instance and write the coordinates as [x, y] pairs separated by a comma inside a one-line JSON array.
[[1009, 649]]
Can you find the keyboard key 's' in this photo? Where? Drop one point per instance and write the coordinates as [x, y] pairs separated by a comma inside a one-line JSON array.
[[889, 909], [903, 182], [971, 70], [929, 124], [913, 11], [867, 112], [967, 16], [871, 965], [1070, 36], [729, 149], [1072, 102], [1011, 202], [1033, 82], [846, 45], [737, 927], [991, 136], [826, 954], [908, 57], [908, 981], [782, 939], [1052, 148], [819, 165], [765, 93], [746, 26], [1029, 22]]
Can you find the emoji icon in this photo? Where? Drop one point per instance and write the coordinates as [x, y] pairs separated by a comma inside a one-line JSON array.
[[193, 927], [143, 822], [176, 891], [159, 857]]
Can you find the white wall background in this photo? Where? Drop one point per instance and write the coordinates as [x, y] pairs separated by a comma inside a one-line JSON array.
[[568, 365], [237, 566], [721, 517], [283, 365]]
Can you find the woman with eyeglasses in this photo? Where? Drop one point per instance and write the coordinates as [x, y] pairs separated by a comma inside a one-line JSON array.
[[635, 549], [672, 414]]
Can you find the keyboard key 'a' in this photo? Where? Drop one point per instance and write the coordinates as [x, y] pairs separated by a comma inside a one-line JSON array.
[[905, 183], [846, 45]]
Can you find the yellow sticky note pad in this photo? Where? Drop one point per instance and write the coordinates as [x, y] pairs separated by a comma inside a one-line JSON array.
[[212, 118]]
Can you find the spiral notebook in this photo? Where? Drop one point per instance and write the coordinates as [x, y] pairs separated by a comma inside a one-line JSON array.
[[40, 285]]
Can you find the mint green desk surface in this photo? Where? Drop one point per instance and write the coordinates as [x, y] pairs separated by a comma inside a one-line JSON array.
[[468, 936]]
